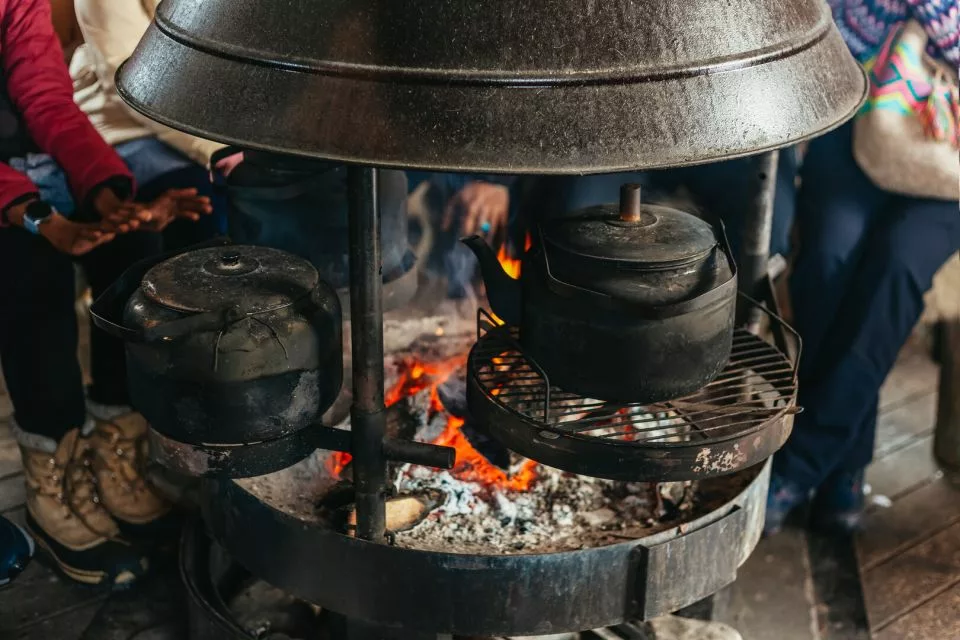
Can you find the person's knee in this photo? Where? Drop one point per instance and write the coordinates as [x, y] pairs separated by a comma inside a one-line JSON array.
[[913, 255]]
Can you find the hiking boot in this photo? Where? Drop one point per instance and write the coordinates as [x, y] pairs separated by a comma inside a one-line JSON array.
[[120, 464], [16, 551], [67, 520], [839, 504]]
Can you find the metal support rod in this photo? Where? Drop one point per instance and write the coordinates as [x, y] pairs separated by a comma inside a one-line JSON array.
[[367, 415], [756, 232], [395, 450], [428, 455]]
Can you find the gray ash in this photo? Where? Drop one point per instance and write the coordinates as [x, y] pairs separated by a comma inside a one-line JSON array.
[[558, 512]]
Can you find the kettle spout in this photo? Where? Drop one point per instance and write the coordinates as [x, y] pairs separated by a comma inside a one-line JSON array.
[[503, 292]]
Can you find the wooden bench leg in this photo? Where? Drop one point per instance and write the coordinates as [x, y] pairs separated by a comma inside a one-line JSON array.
[[946, 441]]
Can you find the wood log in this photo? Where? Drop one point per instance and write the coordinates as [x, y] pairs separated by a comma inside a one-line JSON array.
[[403, 512]]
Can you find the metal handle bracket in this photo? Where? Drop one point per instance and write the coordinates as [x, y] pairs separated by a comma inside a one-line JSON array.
[[714, 550]]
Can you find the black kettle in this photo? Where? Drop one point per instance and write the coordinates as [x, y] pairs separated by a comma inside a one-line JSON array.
[[628, 303], [227, 344]]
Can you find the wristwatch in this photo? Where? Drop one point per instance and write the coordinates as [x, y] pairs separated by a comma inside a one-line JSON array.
[[38, 212]]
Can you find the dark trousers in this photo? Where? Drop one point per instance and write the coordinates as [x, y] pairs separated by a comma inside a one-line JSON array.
[[726, 190], [866, 259], [722, 189], [38, 323]]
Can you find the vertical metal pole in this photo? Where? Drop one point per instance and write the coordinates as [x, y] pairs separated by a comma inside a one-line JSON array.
[[367, 415], [757, 230]]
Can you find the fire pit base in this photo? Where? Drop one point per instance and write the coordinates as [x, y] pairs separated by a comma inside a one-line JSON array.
[[494, 595], [227, 603], [215, 583]]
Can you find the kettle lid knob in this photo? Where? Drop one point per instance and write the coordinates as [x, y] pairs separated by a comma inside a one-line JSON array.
[[630, 203]]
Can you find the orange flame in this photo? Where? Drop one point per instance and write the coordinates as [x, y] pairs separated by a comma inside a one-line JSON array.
[[510, 264], [470, 464]]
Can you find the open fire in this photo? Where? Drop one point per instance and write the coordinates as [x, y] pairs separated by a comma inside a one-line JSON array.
[[492, 501], [509, 504], [471, 465], [417, 376]]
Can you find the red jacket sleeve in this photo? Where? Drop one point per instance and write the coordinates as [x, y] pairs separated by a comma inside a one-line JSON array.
[[13, 185], [40, 87]]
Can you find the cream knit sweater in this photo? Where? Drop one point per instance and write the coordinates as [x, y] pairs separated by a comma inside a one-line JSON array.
[[111, 30]]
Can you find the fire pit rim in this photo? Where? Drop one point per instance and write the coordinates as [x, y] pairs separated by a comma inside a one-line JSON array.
[[653, 539], [516, 594]]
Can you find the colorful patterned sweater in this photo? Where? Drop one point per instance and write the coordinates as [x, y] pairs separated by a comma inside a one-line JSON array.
[[864, 24]]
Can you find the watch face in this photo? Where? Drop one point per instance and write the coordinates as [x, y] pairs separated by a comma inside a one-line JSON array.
[[38, 211]]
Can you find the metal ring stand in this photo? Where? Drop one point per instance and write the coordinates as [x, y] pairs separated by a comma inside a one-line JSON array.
[[497, 594], [739, 419], [427, 592]]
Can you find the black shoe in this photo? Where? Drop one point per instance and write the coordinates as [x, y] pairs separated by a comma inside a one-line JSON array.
[[839, 504], [114, 564], [782, 498], [16, 551]]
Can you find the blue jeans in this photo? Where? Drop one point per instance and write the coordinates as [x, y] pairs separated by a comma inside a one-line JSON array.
[[866, 259], [156, 167]]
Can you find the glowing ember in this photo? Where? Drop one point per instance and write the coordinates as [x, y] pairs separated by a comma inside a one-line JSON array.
[[470, 465]]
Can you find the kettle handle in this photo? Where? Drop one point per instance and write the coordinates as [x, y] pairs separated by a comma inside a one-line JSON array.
[[656, 311], [107, 310]]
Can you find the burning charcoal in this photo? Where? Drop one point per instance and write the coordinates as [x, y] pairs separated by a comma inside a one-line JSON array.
[[334, 501], [404, 419], [403, 512], [493, 451], [453, 395]]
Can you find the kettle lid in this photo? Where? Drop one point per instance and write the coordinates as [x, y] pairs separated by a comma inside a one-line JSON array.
[[641, 235], [248, 278]]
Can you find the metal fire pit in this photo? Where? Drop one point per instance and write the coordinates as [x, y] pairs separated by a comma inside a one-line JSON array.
[[493, 595]]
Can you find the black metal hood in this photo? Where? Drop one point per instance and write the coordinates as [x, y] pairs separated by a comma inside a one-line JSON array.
[[545, 86]]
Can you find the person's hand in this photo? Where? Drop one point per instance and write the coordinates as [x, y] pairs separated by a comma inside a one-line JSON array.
[[73, 238], [482, 207], [228, 164], [116, 215], [175, 204]]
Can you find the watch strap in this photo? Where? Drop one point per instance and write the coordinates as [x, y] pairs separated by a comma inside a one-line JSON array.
[[5, 211]]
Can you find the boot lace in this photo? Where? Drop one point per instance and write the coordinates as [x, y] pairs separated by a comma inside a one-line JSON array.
[[124, 458], [74, 485]]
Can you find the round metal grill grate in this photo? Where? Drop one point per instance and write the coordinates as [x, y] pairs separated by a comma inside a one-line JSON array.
[[740, 418]]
